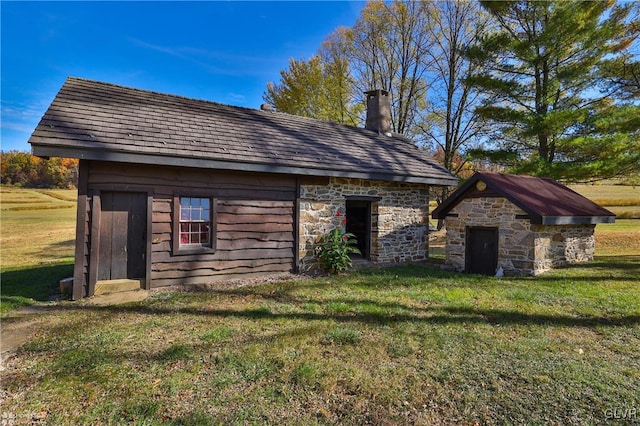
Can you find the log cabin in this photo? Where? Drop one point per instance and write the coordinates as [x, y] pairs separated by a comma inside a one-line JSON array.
[[174, 190]]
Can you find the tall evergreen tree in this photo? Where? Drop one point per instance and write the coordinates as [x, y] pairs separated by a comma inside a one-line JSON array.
[[622, 73], [541, 70]]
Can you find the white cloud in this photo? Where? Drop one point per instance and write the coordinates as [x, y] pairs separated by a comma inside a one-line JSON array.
[[17, 122], [216, 62], [236, 96], [19, 127], [21, 112]]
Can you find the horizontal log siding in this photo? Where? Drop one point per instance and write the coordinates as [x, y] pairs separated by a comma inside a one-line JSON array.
[[254, 220]]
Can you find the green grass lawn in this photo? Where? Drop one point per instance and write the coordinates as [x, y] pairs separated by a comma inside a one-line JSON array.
[[405, 345], [37, 239]]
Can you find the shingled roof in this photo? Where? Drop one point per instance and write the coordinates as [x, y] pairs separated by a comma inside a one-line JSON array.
[[100, 121], [544, 200]]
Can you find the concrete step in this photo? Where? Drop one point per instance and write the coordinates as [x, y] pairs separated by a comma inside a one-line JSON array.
[[117, 298], [117, 286]]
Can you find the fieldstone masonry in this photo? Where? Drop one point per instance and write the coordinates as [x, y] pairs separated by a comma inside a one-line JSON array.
[[557, 246], [400, 212], [523, 248]]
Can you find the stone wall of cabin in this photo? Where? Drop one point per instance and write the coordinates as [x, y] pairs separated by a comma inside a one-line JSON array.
[[400, 212], [523, 248]]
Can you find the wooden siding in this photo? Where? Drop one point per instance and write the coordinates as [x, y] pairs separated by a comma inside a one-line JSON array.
[[252, 236], [83, 220], [254, 219]]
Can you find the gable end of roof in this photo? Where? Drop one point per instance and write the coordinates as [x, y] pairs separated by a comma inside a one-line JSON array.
[[545, 201]]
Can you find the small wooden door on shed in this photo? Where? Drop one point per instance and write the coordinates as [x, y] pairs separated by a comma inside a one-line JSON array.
[[123, 235], [481, 252]]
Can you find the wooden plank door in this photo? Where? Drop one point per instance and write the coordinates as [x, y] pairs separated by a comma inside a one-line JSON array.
[[481, 253], [123, 229]]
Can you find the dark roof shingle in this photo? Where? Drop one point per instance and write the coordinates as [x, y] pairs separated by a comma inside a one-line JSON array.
[[95, 120], [544, 200]]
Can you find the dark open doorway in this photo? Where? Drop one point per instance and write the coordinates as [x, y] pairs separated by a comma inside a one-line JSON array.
[[359, 224]]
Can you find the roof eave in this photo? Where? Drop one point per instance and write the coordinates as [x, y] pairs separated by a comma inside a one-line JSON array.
[[164, 160], [574, 220], [535, 217]]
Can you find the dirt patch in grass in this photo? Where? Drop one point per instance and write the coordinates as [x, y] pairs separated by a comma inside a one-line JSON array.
[[17, 330]]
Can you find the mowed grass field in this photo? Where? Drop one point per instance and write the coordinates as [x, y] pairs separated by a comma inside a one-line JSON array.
[[403, 345], [38, 226], [623, 237], [37, 240]]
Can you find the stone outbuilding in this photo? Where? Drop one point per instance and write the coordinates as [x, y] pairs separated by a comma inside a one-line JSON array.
[[522, 224]]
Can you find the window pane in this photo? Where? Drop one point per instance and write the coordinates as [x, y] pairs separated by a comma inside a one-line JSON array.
[[204, 234], [195, 221], [185, 208]]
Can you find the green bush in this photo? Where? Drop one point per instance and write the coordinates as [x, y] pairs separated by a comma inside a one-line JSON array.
[[334, 249]]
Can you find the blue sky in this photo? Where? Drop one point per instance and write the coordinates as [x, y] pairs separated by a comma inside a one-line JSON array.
[[220, 51]]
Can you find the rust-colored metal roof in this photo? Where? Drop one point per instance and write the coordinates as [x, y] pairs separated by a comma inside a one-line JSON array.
[[100, 121], [544, 200]]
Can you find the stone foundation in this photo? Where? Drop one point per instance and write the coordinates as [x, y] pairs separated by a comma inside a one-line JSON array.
[[400, 218], [523, 248]]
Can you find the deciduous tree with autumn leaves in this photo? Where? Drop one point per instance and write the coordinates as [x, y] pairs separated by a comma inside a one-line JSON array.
[[22, 169]]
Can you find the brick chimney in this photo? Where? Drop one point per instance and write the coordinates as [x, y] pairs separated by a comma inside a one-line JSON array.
[[378, 112]]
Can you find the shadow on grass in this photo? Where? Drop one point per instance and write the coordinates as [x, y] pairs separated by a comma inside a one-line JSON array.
[[25, 285], [618, 268], [368, 310], [624, 262], [58, 250], [431, 314]]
